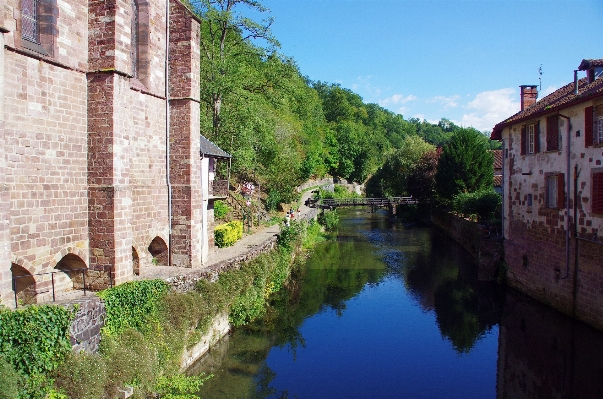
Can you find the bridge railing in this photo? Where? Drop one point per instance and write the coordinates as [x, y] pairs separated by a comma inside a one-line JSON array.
[[333, 202]]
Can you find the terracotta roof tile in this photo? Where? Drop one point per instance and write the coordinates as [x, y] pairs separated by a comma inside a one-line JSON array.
[[587, 64], [497, 154], [557, 100], [497, 181]]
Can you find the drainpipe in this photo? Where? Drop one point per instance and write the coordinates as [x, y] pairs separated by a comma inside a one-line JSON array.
[[567, 199], [167, 127], [575, 81]]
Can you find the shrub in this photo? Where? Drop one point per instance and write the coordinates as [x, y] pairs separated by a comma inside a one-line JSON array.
[[481, 205], [82, 376], [227, 234], [329, 220], [220, 209], [273, 200]]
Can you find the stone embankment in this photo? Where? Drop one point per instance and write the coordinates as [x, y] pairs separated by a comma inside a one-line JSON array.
[[85, 330]]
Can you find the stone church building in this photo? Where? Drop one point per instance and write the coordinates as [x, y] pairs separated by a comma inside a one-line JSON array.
[[101, 167]]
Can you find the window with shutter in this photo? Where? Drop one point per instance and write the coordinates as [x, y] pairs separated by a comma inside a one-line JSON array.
[[597, 193], [522, 150], [598, 133], [588, 126], [552, 133], [551, 191]]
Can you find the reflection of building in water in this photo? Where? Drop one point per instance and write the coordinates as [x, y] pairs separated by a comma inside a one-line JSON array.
[[544, 354]]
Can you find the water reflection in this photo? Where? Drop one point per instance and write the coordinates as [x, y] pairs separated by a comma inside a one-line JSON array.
[[439, 337], [544, 354]]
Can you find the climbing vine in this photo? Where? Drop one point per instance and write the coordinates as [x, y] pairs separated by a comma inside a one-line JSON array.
[[132, 305], [35, 339]]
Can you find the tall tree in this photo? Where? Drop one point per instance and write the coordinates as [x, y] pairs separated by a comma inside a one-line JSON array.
[[465, 165], [225, 36]]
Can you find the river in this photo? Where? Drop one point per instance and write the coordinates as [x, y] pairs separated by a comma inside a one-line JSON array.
[[384, 310]]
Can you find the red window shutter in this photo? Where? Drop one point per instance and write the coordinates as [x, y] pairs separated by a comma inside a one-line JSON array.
[[537, 137], [552, 133], [524, 141], [597, 193], [560, 191], [588, 126]]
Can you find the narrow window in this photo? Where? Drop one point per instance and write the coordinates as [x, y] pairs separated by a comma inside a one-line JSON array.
[[134, 39], [529, 199], [531, 139], [29, 21], [551, 188]]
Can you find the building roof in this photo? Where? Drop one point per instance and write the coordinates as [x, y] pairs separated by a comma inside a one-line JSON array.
[[497, 155], [498, 181], [209, 149], [562, 98], [587, 64]]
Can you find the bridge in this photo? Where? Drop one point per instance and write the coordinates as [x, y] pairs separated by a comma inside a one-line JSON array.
[[372, 202]]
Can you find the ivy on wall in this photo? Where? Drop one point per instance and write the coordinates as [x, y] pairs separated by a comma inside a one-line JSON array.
[[133, 304], [35, 339]]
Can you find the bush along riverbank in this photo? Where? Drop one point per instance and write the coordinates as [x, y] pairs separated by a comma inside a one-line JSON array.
[[147, 329]]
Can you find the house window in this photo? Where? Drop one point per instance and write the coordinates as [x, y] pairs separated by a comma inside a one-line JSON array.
[[555, 190], [597, 193], [531, 137], [552, 133]]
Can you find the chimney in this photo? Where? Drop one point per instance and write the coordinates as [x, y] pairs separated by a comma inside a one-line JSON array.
[[529, 94]]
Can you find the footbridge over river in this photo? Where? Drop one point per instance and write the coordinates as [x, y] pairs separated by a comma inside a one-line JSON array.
[[390, 203]]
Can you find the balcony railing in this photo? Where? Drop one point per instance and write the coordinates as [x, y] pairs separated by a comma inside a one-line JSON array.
[[218, 188]]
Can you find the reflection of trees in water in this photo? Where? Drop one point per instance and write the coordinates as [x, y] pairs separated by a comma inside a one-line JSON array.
[[444, 279]]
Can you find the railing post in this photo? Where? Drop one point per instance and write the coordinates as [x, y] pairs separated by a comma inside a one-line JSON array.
[[84, 280], [53, 296]]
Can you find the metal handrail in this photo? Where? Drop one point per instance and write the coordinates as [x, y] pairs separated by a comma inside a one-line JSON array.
[[68, 271], [366, 201]]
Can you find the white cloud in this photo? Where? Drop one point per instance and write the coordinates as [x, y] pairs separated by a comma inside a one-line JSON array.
[[447, 102], [491, 107], [397, 99]]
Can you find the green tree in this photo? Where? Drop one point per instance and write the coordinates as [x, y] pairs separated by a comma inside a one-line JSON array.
[[225, 36], [465, 165], [391, 180], [421, 180]]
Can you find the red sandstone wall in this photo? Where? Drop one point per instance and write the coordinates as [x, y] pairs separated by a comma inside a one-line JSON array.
[[45, 146]]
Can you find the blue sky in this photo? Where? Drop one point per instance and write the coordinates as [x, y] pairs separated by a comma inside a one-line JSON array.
[[458, 59]]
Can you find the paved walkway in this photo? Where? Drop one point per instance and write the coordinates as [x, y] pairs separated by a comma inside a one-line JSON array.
[[219, 256]]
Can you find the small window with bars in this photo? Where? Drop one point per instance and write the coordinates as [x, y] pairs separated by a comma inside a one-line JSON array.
[[29, 21]]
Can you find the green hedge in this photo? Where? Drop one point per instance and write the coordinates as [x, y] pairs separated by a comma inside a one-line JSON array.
[[227, 234], [481, 205]]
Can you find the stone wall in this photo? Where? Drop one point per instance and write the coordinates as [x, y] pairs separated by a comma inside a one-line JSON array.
[[85, 328], [486, 250], [537, 264]]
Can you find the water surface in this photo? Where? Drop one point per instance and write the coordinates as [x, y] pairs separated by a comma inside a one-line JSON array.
[[385, 310]]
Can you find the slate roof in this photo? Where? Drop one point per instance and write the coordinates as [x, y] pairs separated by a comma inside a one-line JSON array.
[[562, 98], [209, 149]]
